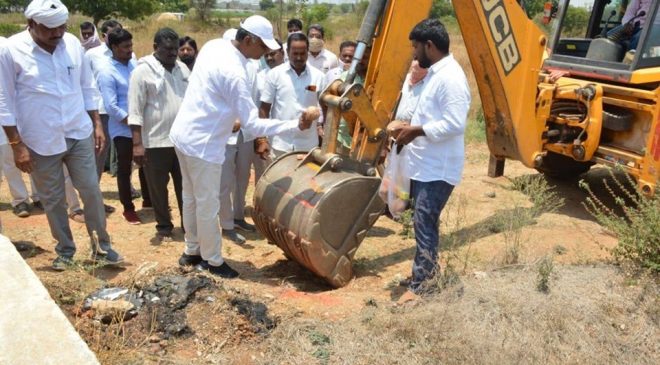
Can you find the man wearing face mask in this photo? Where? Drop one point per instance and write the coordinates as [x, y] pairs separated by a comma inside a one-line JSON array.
[[319, 57], [218, 94], [434, 144], [346, 52]]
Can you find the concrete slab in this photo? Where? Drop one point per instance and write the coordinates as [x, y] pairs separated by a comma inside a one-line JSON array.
[[33, 329]]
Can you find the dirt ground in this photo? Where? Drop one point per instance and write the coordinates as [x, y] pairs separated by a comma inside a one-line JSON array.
[[493, 298]]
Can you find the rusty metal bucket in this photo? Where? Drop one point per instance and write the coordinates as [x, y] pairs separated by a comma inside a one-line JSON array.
[[317, 214]]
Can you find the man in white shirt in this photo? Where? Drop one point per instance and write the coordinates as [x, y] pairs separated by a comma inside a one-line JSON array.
[[156, 90], [319, 57], [434, 143], [48, 102], [218, 94], [290, 88], [346, 52], [292, 26], [262, 158]]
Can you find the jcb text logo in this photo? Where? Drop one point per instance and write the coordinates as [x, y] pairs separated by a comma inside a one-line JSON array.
[[500, 30]]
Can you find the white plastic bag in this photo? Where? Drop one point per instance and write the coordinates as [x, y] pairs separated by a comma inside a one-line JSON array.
[[395, 186]]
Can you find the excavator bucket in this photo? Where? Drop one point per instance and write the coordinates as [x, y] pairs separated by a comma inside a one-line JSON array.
[[317, 217], [318, 206]]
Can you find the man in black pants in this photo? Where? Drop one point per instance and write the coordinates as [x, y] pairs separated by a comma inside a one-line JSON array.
[[113, 80], [157, 87]]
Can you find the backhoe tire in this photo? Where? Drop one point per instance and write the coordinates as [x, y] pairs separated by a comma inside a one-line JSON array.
[[617, 119], [562, 167]]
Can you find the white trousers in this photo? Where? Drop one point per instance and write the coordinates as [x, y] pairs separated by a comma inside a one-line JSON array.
[[201, 204]]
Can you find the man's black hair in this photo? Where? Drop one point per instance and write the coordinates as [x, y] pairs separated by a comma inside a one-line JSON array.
[[242, 33], [187, 40], [165, 34], [346, 44], [296, 37], [294, 23], [86, 25], [117, 36], [110, 24], [318, 27], [431, 30]]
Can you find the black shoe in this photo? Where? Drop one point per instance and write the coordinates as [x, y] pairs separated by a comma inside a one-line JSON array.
[[111, 257], [232, 235], [190, 260], [164, 236], [223, 270], [244, 226], [61, 263], [22, 210], [37, 205]]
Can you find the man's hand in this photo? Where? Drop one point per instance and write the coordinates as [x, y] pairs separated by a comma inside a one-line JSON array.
[[406, 134], [320, 131], [262, 147], [395, 126], [308, 116], [139, 156], [99, 138], [236, 127], [22, 158]]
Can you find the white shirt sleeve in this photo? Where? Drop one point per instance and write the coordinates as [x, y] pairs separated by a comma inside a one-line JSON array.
[[7, 88], [270, 88], [248, 114], [137, 98], [452, 119], [88, 85]]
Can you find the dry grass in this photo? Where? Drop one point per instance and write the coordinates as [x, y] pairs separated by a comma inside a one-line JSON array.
[[485, 321]]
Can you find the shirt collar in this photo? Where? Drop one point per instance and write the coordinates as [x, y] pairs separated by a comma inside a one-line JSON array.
[[290, 68], [34, 44], [436, 67]]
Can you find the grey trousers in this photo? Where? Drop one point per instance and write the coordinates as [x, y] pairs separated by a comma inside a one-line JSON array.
[[234, 182], [48, 176], [103, 155]]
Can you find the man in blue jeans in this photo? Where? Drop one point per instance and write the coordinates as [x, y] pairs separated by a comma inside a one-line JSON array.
[[434, 141]]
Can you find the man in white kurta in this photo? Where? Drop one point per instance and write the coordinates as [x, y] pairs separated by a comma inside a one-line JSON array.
[[218, 94]]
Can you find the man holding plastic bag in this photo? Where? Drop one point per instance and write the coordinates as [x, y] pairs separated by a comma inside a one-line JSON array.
[[433, 144]]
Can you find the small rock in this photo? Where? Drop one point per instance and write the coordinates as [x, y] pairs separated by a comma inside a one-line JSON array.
[[210, 299], [623, 326], [490, 194], [154, 339], [480, 274], [269, 296]]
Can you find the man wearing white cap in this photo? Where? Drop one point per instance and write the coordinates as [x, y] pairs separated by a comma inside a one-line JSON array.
[[218, 94], [48, 108]]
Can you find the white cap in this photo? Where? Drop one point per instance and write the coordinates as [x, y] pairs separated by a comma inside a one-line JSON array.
[[261, 27], [51, 13], [229, 34]]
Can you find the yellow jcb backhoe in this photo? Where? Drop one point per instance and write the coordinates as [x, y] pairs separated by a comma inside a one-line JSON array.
[[318, 206]]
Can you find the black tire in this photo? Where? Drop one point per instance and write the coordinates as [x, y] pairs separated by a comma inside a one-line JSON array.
[[562, 167], [617, 119]]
